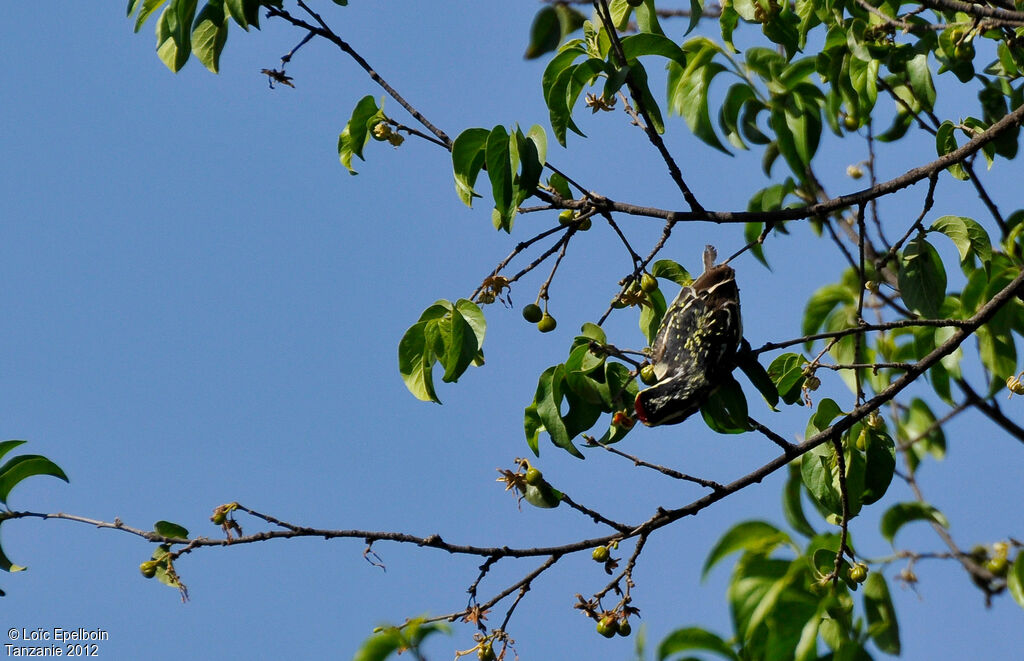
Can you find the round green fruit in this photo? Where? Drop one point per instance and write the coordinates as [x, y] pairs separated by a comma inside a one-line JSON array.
[[532, 313], [851, 123], [608, 627], [486, 652], [648, 283], [148, 568], [600, 554], [534, 476], [585, 224], [624, 628], [964, 51], [998, 565], [547, 323], [858, 573], [566, 217], [647, 375]]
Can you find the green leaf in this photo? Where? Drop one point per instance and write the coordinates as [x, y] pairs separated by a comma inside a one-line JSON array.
[[460, 347], [920, 77], [945, 142], [880, 456], [918, 425], [968, 236], [23, 466], [651, 315], [545, 33], [209, 34], [474, 316], [245, 12], [533, 426], [827, 411], [821, 303], [416, 362], [467, 161], [499, 171], [754, 536], [726, 409], [786, 371], [168, 529], [638, 76], [819, 471], [7, 446], [7, 565], [549, 403], [759, 377], [901, 514], [881, 614], [1015, 580], [670, 270], [688, 89], [694, 638], [145, 11], [174, 33], [922, 278], [357, 132], [792, 504], [638, 45]]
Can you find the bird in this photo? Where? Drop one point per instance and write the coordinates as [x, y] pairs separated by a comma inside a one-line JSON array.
[[695, 347]]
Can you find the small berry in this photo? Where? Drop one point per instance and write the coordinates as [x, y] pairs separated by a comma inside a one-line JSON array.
[[858, 573], [871, 286], [532, 313], [486, 652], [647, 375], [851, 122], [854, 171], [547, 323], [608, 626], [566, 217], [998, 565], [648, 283], [875, 421], [534, 476], [585, 224], [148, 568], [600, 554], [812, 383], [624, 628]]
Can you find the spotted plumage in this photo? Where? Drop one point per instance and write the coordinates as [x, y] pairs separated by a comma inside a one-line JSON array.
[[695, 346]]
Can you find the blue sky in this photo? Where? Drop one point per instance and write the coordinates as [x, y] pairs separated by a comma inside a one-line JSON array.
[[201, 306]]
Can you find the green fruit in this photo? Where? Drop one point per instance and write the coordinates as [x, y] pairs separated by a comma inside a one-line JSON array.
[[566, 217], [600, 554], [546, 324], [851, 123], [858, 573], [532, 313], [585, 224], [542, 495], [647, 375], [608, 627], [624, 628], [964, 51], [148, 568], [486, 652], [648, 283], [534, 476]]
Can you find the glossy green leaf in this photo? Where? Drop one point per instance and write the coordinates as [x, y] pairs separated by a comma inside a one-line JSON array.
[[819, 471], [1015, 580], [416, 362], [168, 529], [7, 565], [918, 425], [726, 409], [638, 45], [7, 446], [652, 314], [920, 76], [460, 347], [728, 115], [542, 495], [792, 503], [945, 142], [901, 514], [880, 457], [209, 35], [545, 33], [688, 89], [968, 235], [670, 270], [638, 78], [549, 404], [754, 536], [244, 12], [881, 614], [174, 33], [23, 466], [786, 371], [922, 278], [145, 9], [759, 377], [499, 171], [357, 131], [693, 638], [467, 161], [821, 303]]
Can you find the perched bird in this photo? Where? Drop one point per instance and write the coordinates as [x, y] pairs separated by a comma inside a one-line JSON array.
[[695, 348]]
